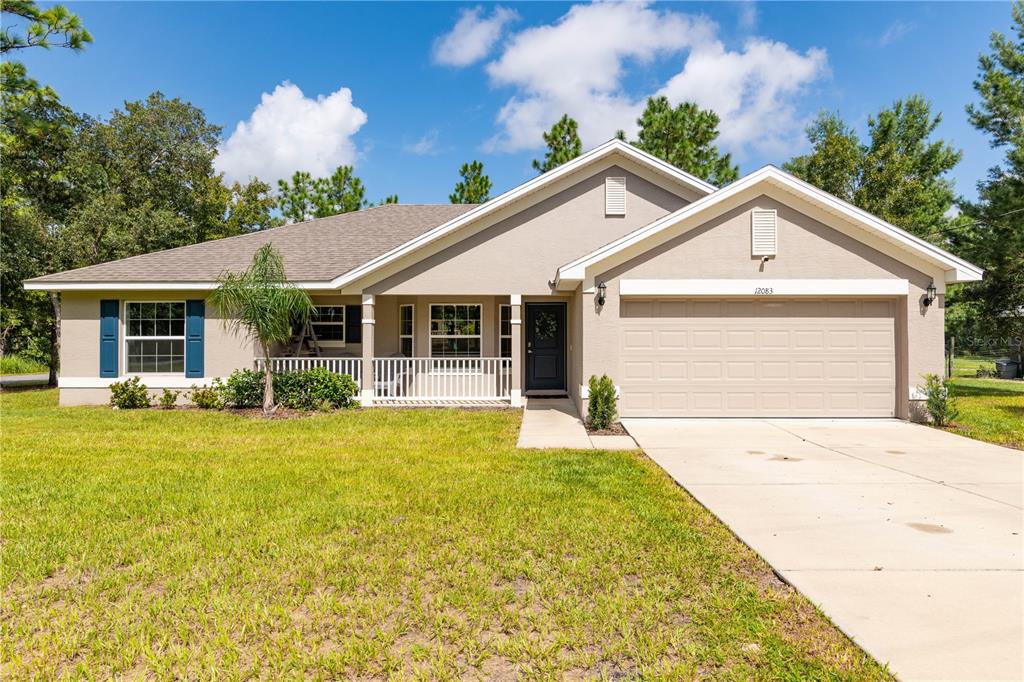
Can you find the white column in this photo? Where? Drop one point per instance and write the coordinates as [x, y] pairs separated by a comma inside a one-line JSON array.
[[515, 314], [368, 326]]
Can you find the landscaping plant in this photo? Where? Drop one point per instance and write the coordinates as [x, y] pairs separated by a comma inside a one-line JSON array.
[[262, 302], [208, 397], [940, 404], [244, 388], [314, 388], [130, 394], [601, 411], [168, 398]]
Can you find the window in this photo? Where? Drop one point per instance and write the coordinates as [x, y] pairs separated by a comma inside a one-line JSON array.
[[405, 329], [155, 337], [455, 330], [329, 322], [505, 331]]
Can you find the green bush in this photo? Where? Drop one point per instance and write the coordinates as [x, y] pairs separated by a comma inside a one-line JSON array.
[[208, 397], [987, 372], [130, 394], [169, 398], [17, 364], [601, 411], [940, 404], [244, 388], [314, 389]]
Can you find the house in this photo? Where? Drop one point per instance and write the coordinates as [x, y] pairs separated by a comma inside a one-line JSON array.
[[767, 297]]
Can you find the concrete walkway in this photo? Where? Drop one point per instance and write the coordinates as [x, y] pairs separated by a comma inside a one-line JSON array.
[[555, 423], [17, 380], [908, 538]]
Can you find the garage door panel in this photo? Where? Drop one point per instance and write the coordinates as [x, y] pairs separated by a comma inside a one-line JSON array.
[[758, 358]]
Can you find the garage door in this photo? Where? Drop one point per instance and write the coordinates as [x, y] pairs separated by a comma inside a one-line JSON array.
[[757, 358]]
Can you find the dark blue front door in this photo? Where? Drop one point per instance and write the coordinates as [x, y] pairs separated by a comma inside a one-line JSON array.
[[545, 346]]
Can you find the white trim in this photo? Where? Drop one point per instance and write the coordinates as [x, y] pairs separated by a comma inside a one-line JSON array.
[[501, 336], [764, 288], [368, 320], [611, 147], [126, 337], [515, 299], [368, 299], [515, 320], [366, 397], [150, 380], [957, 269], [516, 397]]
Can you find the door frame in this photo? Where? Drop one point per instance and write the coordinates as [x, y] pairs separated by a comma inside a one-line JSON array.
[[565, 350]]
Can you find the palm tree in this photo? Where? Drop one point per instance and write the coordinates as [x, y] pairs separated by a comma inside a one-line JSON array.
[[262, 302]]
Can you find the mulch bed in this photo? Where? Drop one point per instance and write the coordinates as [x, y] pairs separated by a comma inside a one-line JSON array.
[[614, 429]]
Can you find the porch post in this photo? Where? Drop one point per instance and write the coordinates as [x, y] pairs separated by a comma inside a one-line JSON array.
[[516, 392], [367, 342]]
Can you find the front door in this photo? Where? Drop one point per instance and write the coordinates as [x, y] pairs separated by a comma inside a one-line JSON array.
[[545, 346]]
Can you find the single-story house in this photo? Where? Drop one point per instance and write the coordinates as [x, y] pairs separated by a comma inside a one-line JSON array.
[[765, 298]]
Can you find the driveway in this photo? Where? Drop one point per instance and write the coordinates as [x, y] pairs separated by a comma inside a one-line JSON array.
[[908, 538]]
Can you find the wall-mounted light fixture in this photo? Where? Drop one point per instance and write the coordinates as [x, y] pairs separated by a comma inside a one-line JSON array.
[[602, 289], [929, 294]]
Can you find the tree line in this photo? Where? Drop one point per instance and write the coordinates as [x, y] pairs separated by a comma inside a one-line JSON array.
[[77, 190]]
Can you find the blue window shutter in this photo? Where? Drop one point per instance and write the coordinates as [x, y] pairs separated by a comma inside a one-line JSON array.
[[109, 322], [195, 318], [353, 324]]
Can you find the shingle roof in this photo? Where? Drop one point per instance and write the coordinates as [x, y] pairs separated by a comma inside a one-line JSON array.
[[315, 250]]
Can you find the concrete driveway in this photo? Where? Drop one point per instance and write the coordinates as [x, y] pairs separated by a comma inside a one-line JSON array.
[[908, 538]]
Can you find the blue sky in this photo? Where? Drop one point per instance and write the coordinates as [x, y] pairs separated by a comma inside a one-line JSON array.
[[409, 91]]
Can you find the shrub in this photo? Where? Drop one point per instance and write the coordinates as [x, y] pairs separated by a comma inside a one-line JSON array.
[[989, 372], [601, 410], [244, 388], [314, 389], [168, 398], [208, 397], [940, 404], [130, 394]]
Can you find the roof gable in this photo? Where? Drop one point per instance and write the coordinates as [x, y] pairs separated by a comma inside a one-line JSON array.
[[769, 178]]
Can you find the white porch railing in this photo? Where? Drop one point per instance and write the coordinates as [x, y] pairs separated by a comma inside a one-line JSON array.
[[441, 380], [350, 366]]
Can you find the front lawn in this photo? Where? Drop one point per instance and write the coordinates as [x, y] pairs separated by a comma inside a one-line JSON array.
[[991, 410], [372, 544]]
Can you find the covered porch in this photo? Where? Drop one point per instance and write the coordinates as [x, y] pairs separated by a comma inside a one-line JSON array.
[[432, 350]]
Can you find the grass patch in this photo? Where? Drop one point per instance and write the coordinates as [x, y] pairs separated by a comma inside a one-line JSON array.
[[991, 410], [372, 544], [15, 364]]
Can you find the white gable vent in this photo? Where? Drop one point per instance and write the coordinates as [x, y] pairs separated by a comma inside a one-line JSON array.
[[615, 196], [763, 240]]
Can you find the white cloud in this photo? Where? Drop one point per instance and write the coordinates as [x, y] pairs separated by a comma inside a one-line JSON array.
[[472, 37], [579, 65], [747, 18], [894, 32], [425, 146], [288, 131]]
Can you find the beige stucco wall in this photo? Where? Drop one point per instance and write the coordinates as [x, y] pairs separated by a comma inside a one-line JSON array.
[[521, 252], [807, 249]]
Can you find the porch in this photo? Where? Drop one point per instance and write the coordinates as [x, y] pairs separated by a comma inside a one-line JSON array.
[[436, 350]]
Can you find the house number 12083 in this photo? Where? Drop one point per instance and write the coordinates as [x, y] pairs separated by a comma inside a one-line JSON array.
[[763, 291]]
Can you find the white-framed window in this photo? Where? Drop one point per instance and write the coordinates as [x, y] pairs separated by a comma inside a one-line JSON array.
[[406, 329], [154, 337], [455, 330], [505, 331], [329, 323]]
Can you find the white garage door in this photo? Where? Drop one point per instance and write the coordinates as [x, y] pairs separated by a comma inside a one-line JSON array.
[[757, 358]]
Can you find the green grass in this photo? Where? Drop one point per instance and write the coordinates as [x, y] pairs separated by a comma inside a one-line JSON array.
[[15, 364], [991, 410], [372, 544]]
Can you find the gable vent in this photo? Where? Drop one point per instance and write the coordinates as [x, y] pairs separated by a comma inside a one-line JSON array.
[[615, 196], [763, 233]]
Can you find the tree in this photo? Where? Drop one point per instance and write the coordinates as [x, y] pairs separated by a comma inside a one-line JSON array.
[[990, 232], [263, 303], [563, 141], [307, 197], [835, 160], [900, 175], [474, 187], [250, 208], [46, 28], [684, 137]]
